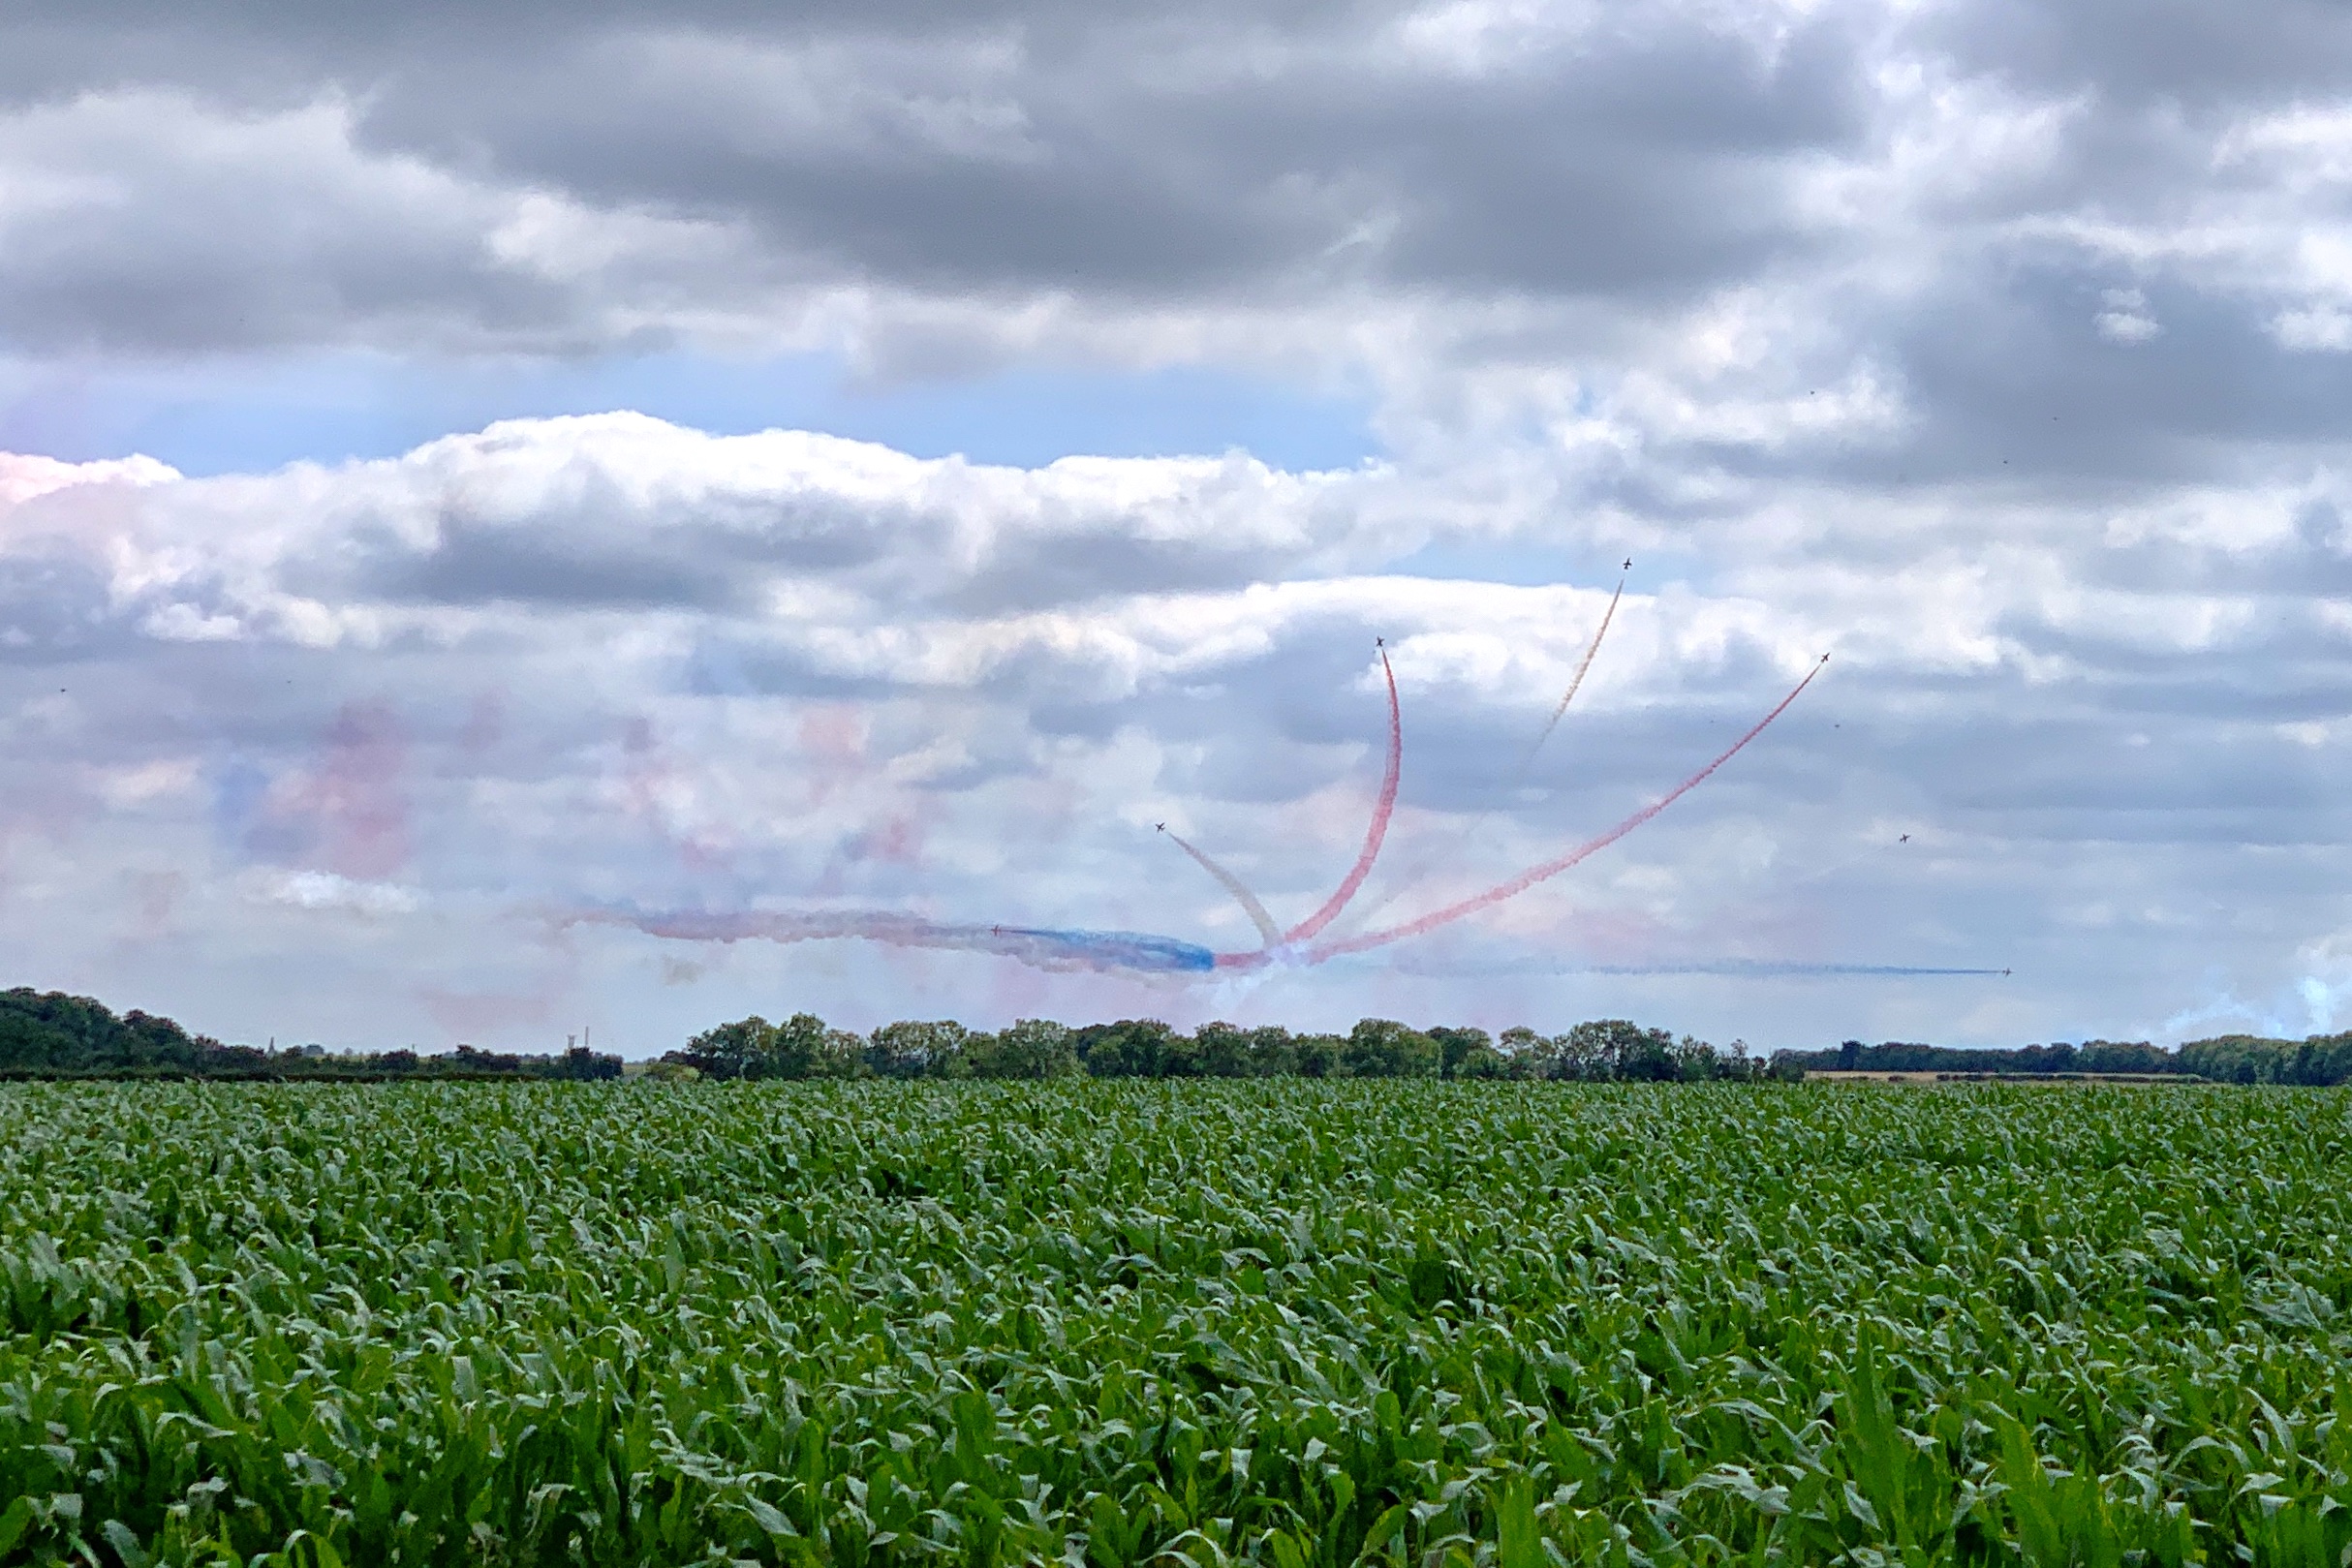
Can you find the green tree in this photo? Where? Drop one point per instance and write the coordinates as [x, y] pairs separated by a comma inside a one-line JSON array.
[[78, 1033], [1618, 1048], [1696, 1062], [802, 1046], [1527, 1054], [736, 1050], [917, 1050], [1132, 1048], [1319, 1056], [1030, 1047], [1467, 1053], [1272, 1051], [1223, 1051], [1384, 1048], [1480, 1061]]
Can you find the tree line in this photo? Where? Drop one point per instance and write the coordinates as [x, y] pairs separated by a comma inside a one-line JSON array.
[[2318, 1060], [1609, 1050], [51, 1034], [805, 1046]]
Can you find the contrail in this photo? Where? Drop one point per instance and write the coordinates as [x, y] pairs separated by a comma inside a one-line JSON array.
[[1040, 947], [1548, 869], [1373, 836], [1753, 968], [1233, 884], [1779, 970], [1421, 868]]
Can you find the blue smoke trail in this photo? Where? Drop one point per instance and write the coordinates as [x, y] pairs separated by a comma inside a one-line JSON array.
[[1038, 946], [1135, 952]]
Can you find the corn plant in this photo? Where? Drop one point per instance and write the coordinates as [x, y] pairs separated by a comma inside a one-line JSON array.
[[1120, 1323]]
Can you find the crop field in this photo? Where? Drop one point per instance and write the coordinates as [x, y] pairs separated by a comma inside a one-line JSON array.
[[1107, 1323]]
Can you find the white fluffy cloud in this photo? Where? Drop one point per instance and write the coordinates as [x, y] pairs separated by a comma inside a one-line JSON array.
[[400, 717]]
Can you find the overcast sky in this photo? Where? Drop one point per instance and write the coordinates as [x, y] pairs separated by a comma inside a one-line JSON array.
[[476, 465]]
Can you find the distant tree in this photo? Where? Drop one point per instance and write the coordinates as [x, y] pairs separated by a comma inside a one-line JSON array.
[[1525, 1053], [1132, 1048], [1479, 1062], [1696, 1062], [1456, 1046], [1272, 1053], [913, 1050], [78, 1033], [1648, 1056], [1618, 1048], [793, 1049], [579, 1065], [1580, 1055], [2323, 1059], [1384, 1048], [468, 1063], [2238, 1059], [1031, 1048], [2057, 1057], [736, 1050], [1222, 1051], [1319, 1056], [53, 1030], [802, 1046], [2131, 1056], [149, 1041]]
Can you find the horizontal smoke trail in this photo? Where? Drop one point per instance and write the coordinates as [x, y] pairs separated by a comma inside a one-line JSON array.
[[1551, 868], [1748, 968], [1040, 947], [1776, 970], [1249, 901], [1381, 810]]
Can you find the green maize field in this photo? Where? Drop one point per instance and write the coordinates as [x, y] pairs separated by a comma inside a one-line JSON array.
[[1105, 1323]]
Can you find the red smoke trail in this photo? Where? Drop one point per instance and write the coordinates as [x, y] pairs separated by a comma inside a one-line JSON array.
[[1551, 868], [1233, 884], [1420, 871], [1373, 836]]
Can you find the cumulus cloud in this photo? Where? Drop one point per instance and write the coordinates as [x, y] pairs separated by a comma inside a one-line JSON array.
[[875, 722]]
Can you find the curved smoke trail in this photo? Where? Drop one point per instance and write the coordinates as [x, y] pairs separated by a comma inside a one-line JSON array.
[[1375, 834], [1249, 901], [1548, 869], [1142, 952], [1040, 947], [1421, 868]]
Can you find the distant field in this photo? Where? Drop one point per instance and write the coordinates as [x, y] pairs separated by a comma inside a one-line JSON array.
[[1279, 1322]]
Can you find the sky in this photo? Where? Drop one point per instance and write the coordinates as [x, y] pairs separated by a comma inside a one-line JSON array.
[[479, 482]]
